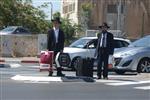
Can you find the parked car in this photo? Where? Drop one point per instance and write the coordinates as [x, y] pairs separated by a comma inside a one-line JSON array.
[[135, 57], [84, 47], [14, 30]]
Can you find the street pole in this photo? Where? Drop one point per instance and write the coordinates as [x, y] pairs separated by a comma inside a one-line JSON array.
[[51, 9], [1, 46], [119, 17], [142, 33]]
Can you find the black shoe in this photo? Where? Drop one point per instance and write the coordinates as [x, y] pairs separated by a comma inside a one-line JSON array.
[[99, 77], [60, 74], [105, 78], [50, 74]]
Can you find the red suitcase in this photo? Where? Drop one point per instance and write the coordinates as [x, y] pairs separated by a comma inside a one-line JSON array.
[[46, 61]]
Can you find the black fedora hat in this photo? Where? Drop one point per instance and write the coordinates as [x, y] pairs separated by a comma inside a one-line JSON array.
[[104, 25], [56, 19]]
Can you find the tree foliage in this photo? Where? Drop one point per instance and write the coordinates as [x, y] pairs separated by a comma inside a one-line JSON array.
[[22, 13], [85, 15]]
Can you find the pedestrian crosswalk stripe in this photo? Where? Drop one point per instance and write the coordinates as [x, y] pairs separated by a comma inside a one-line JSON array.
[[15, 65], [36, 79], [128, 83], [143, 87], [36, 82], [110, 81], [120, 76]]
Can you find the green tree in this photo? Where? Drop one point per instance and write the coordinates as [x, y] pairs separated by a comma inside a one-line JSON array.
[[85, 15], [22, 13]]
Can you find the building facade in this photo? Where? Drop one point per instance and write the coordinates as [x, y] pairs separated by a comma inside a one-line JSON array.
[[132, 17]]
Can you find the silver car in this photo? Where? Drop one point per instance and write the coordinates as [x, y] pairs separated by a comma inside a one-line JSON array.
[[135, 57], [14, 30]]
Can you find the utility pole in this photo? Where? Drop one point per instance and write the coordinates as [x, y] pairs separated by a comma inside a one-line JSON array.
[[142, 33], [119, 16], [51, 9], [1, 45]]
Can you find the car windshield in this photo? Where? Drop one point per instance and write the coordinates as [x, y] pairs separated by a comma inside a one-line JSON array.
[[8, 29], [143, 42], [80, 43]]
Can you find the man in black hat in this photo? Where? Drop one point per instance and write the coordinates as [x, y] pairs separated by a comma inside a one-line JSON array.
[[105, 48], [55, 42]]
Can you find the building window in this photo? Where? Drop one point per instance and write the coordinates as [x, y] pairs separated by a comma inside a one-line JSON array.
[[69, 8], [114, 8], [65, 9]]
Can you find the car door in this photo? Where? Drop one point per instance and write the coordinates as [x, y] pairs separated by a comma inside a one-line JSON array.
[[92, 47]]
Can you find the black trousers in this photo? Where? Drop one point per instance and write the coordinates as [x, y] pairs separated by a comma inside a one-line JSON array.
[[103, 63]]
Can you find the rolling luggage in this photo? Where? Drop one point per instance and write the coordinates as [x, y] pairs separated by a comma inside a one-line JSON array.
[[46, 61], [85, 67]]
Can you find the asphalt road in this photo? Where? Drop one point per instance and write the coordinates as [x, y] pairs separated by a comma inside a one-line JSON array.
[[25, 82]]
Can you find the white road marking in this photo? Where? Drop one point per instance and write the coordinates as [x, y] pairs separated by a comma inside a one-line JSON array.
[[15, 65], [119, 76], [128, 83], [36, 82], [36, 78], [33, 66], [109, 81], [143, 87]]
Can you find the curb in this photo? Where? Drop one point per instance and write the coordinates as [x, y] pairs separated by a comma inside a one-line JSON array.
[[29, 61], [19, 61]]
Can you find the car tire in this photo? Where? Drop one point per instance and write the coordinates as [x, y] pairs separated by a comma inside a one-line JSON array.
[[144, 66], [120, 72]]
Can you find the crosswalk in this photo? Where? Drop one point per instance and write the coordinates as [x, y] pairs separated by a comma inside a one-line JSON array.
[[112, 82], [30, 74]]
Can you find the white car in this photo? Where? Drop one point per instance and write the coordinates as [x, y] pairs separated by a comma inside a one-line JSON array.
[[82, 48]]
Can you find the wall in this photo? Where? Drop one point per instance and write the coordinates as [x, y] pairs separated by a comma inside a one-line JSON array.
[[22, 45]]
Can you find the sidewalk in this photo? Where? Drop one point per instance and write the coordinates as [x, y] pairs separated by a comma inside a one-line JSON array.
[[19, 59]]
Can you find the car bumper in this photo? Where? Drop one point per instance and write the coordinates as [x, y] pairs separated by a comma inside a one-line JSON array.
[[126, 63]]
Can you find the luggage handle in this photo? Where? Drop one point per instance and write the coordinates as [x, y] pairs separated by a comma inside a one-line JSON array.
[[88, 50]]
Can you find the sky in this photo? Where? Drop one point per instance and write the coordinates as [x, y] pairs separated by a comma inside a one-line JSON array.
[[56, 6]]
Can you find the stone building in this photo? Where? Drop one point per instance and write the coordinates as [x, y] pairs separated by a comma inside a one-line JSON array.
[[132, 17]]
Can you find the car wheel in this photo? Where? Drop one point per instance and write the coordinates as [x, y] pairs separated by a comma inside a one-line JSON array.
[[75, 63], [144, 66], [120, 72]]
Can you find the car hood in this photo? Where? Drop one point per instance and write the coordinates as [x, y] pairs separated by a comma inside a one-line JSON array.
[[73, 50], [131, 50]]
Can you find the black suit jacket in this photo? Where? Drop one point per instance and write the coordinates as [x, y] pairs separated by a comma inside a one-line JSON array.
[[52, 45], [110, 44]]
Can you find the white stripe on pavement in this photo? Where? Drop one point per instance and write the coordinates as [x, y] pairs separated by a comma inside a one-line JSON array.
[[143, 87], [15, 65], [109, 81], [36, 82], [36, 79], [128, 83], [120, 76]]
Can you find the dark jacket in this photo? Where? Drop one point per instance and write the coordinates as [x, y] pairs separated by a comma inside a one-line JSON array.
[[109, 47], [52, 45]]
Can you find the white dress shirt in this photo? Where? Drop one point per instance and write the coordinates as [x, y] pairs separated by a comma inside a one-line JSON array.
[[56, 31], [103, 40]]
